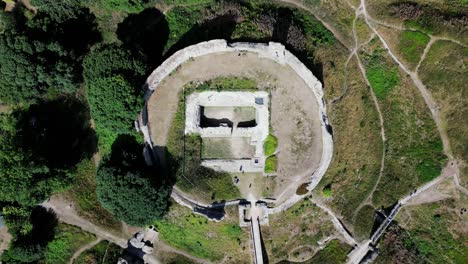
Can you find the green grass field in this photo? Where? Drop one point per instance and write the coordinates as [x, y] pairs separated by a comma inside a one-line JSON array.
[[355, 166], [411, 46], [381, 73], [413, 149]]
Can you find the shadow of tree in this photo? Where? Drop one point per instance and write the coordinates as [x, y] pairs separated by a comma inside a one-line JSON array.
[[220, 27], [44, 222], [57, 132], [283, 31], [145, 33]]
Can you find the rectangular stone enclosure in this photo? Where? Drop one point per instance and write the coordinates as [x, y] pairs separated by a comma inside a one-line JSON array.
[[233, 127]]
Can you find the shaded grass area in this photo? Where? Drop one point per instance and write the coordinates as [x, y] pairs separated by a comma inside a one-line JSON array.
[[411, 46], [270, 145], [444, 73], [364, 222], [295, 232], [334, 252], [337, 13], [67, 240], [434, 232], [271, 164], [414, 153], [196, 235], [104, 252], [83, 192]]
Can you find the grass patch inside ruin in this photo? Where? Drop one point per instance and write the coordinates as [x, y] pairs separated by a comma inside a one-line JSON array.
[[270, 145], [271, 164]]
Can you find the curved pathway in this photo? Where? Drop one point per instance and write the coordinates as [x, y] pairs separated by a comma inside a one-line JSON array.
[[83, 249]]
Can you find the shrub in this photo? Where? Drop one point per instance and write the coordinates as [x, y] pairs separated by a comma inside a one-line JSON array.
[[133, 192], [114, 79], [327, 191], [271, 164], [270, 145]]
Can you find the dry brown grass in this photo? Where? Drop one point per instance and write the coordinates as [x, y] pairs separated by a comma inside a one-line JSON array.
[[357, 147], [445, 75]]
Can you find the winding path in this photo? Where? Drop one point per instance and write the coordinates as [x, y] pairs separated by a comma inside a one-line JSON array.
[[83, 249]]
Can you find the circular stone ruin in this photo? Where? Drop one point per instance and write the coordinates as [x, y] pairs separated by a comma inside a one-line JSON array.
[[297, 107]]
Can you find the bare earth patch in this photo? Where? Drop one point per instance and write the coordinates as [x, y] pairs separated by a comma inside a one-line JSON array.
[[5, 239]]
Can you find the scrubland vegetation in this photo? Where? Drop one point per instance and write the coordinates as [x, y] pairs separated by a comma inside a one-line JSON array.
[[193, 233], [295, 233], [437, 17], [104, 252], [427, 233]]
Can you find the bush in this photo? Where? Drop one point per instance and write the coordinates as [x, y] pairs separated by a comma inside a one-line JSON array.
[[133, 192], [327, 191], [270, 145], [271, 164], [41, 56], [114, 79]]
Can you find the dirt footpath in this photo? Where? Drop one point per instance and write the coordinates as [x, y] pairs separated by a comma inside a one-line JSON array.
[[294, 112], [5, 239]]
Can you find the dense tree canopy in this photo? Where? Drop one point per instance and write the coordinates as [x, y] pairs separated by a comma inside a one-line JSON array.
[[41, 56], [133, 192], [40, 147], [114, 79]]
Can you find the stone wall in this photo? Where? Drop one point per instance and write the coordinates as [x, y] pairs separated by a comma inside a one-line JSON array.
[[273, 51]]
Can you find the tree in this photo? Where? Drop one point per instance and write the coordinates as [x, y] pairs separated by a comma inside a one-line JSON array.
[[40, 147], [132, 191], [41, 56], [114, 87]]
